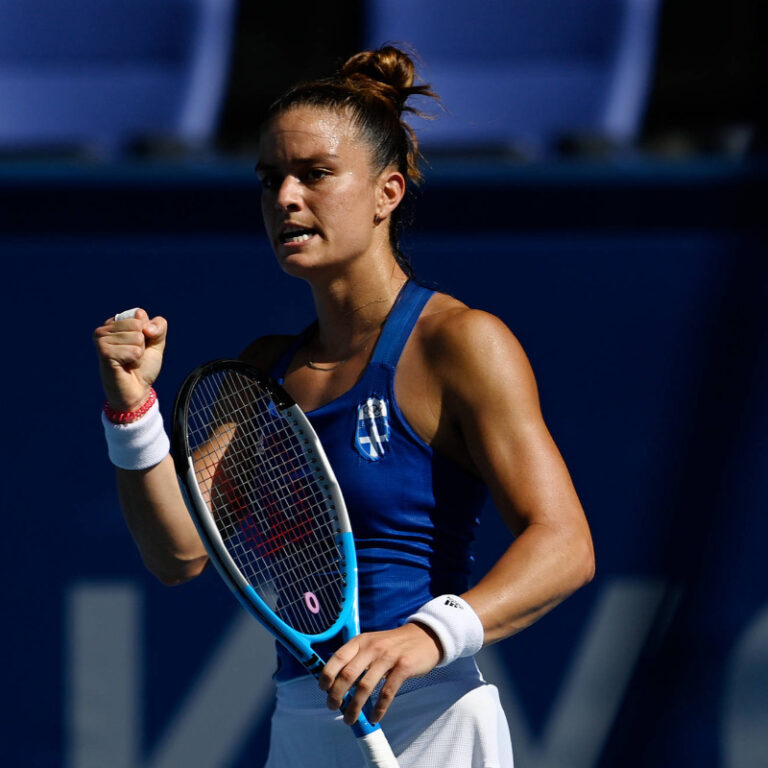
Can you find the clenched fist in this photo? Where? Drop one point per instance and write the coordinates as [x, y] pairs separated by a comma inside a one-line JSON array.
[[130, 352]]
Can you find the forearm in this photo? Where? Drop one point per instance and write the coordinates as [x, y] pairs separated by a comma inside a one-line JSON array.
[[540, 569], [130, 347], [159, 522]]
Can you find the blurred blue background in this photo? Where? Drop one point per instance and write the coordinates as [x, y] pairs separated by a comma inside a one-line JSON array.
[[597, 178]]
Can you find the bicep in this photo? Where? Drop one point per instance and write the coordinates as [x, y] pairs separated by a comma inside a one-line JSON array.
[[494, 404]]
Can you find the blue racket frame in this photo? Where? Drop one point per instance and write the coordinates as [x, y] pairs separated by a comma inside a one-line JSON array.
[[299, 644]]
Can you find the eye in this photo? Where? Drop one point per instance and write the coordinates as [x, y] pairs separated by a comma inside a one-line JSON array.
[[316, 174], [269, 180]]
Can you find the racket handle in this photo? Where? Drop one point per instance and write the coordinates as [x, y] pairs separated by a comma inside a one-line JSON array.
[[376, 750]]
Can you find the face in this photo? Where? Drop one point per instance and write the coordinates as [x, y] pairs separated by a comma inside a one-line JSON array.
[[320, 198]]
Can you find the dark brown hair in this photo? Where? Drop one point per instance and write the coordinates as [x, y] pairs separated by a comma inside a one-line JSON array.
[[373, 87]]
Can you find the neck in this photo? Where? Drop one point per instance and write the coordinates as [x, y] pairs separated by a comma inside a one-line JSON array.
[[353, 307]]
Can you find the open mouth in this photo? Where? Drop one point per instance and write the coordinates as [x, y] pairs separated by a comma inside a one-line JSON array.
[[295, 236]]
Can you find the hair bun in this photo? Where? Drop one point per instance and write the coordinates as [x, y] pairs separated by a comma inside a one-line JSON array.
[[388, 66]]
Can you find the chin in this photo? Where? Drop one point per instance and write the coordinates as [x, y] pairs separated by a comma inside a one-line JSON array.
[[300, 264]]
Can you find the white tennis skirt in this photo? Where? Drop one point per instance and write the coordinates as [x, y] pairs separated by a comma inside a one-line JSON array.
[[450, 718]]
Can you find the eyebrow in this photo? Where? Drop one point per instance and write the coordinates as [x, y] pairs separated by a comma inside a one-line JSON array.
[[311, 160]]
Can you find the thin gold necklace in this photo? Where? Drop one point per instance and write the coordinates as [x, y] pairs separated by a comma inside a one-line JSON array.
[[328, 368]]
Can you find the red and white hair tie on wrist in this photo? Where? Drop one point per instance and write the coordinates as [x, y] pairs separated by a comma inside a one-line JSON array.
[[126, 417]]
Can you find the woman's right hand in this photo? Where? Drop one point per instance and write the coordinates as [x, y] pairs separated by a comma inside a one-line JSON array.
[[130, 357]]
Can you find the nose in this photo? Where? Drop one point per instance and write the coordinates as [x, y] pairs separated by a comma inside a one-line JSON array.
[[288, 196]]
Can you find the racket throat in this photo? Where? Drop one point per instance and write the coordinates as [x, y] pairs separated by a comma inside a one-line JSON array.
[[314, 664]]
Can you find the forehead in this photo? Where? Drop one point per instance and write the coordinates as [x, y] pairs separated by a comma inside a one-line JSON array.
[[305, 132]]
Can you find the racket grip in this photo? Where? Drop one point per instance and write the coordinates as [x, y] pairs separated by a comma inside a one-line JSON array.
[[376, 750]]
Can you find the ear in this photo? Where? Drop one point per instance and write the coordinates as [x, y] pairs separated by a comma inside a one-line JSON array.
[[390, 191]]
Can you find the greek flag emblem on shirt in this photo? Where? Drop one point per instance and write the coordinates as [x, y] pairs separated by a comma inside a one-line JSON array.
[[372, 435]]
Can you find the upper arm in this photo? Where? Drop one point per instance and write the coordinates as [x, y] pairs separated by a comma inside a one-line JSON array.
[[490, 397]]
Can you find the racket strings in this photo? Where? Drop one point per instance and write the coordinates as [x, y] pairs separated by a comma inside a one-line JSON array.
[[290, 585], [267, 500]]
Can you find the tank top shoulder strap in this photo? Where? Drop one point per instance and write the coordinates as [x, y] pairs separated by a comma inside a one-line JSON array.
[[278, 370], [401, 321]]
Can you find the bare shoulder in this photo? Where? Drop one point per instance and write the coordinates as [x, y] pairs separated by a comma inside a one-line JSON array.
[[455, 338], [265, 351], [461, 365]]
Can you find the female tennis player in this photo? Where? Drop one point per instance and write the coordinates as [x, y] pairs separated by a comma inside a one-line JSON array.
[[423, 406]]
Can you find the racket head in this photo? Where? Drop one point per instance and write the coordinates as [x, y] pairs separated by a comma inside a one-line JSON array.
[[266, 503]]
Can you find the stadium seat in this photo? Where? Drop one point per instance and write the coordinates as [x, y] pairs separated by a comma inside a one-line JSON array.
[[103, 74], [526, 74]]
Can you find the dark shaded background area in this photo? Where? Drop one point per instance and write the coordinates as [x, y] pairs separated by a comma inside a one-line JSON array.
[[711, 72], [274, 49]]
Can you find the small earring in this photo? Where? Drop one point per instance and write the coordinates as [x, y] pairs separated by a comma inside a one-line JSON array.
[[377, 219]]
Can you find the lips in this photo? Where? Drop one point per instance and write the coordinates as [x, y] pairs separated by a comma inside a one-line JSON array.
[[294, 235]]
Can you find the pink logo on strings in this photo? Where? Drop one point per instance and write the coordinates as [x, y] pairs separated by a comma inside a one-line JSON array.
[[311, 601]]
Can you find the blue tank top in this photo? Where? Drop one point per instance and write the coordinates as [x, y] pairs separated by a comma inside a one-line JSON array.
[[413, 511]]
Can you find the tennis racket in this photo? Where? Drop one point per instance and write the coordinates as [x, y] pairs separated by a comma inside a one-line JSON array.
[[270, 513]]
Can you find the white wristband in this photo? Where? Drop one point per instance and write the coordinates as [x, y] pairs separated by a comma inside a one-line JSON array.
[[140, 444], [456, 625]]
